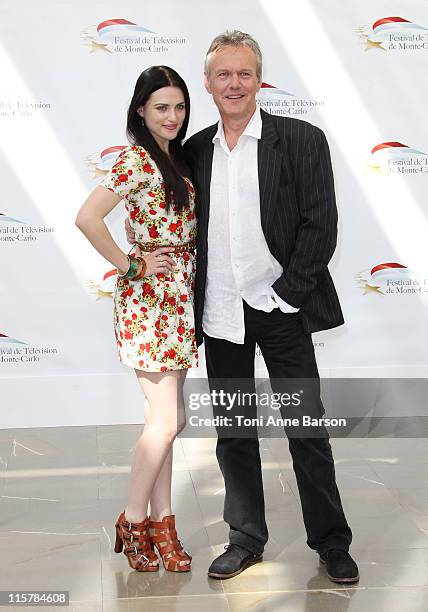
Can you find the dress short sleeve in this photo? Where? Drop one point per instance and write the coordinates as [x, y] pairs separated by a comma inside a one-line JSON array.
[[131, 172]]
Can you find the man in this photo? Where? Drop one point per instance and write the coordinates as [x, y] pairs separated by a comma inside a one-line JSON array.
[[267, 226]]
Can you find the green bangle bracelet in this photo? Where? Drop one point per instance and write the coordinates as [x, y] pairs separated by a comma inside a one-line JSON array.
[[134, 266]]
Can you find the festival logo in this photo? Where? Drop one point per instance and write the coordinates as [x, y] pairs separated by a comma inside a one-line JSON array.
[[100, 163], [104, 288], [22, 108], [394, 34], [123, 36], [14, 230], [14, 351], [280, 102], [392, 279], [396, 158]]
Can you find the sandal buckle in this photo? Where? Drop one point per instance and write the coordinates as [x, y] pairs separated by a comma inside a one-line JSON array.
[[145, 558], [184, 550]]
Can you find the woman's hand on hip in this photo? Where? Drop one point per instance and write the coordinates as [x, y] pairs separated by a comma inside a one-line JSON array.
[[158, 262]]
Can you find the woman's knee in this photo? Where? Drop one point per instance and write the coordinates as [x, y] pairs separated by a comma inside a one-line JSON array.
[[166, 431]]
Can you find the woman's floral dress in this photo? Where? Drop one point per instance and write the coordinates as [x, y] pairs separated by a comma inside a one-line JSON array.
[[153, 317]]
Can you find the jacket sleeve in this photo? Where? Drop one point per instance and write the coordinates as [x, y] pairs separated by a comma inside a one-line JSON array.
[[317, 235]]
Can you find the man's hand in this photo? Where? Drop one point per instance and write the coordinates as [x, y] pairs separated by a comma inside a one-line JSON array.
[[130, 233]]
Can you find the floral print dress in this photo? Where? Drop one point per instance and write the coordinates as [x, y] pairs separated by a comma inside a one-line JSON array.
[[153, 317]]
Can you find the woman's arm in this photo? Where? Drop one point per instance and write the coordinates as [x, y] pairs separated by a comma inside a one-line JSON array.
[[90, 221]]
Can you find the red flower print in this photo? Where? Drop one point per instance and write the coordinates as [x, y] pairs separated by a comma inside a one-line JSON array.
[[123, 178], [134, 316], [147, 168], [171, 353], [172, 227], [162, 205], [183, 297], [172, 301], [152, 212], [164, 219], [153, 232], [148, 347], [128, 335], [146, 289], [186, 256], [130, 172], [135, 301], [163, 369], [180, 310], [180, 330], [165, 317]]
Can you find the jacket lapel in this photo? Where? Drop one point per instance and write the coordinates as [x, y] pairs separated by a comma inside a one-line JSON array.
[[204, 176], [269, 165]]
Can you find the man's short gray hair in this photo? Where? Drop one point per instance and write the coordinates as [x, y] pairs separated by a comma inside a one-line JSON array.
[[235, 38]]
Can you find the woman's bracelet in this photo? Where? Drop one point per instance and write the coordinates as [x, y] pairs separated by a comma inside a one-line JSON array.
[[137, 269]]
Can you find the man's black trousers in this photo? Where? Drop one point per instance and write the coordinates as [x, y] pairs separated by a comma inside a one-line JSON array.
[[289, 354]]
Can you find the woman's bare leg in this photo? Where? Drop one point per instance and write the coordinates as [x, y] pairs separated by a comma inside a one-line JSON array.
[[160, 498], [166, 418]]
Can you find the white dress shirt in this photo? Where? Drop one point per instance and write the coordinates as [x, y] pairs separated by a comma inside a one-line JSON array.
[[240, 265]]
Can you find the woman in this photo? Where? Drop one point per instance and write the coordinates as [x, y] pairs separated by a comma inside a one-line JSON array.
[[153, 302]]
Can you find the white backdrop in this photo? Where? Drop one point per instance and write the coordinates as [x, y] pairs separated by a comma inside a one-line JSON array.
[[68, 73]]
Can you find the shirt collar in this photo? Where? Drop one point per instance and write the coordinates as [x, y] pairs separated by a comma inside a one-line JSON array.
[[253, 128]]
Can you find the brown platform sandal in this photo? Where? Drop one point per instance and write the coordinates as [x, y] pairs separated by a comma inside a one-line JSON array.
[[164, 536], [134, 539]]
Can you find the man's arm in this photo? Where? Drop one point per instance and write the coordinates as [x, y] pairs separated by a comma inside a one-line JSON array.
[[317, 235]]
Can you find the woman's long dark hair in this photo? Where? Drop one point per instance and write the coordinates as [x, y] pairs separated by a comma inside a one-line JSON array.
[[172, 168]]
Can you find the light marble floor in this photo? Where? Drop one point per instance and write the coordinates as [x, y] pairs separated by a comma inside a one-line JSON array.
[[61, 490]]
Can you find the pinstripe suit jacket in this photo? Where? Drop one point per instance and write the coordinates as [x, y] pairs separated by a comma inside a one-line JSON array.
[[298, 215]]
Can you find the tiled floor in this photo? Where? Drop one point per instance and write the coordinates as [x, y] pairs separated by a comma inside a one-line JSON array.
[[62, 488]]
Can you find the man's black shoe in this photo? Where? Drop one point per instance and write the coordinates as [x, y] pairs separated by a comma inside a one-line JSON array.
[[340, 566], [232, 562]]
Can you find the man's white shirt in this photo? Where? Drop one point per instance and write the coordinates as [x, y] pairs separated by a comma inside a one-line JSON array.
[[240, 265]]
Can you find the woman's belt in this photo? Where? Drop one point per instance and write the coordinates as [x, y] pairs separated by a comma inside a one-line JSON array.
[[148, 247]]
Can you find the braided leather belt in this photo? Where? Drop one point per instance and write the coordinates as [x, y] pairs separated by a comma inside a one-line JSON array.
[[148, 247]]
